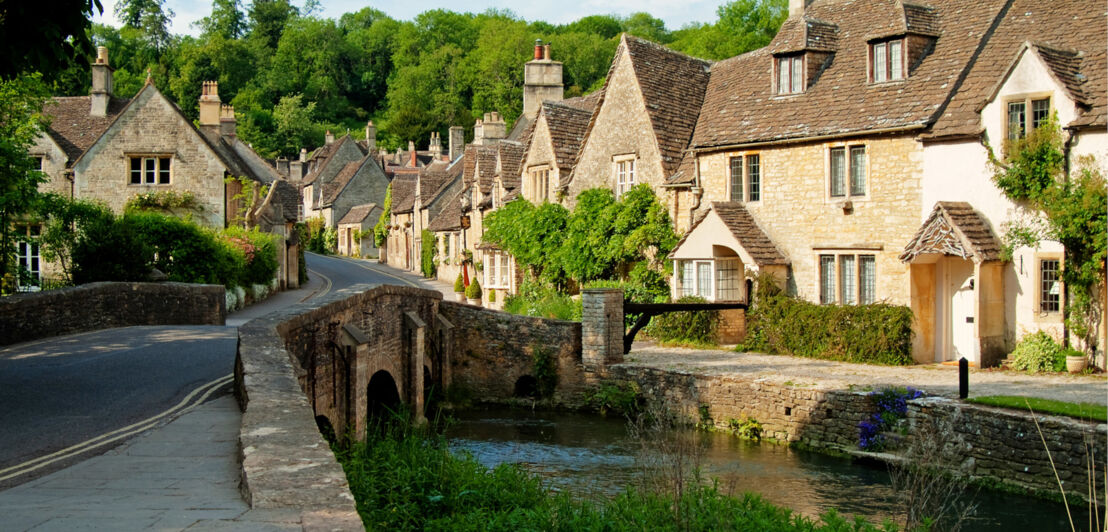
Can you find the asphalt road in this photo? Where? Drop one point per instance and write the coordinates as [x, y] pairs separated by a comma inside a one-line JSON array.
[[61, 392]]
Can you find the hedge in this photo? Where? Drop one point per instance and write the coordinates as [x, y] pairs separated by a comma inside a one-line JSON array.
[[873, 334]]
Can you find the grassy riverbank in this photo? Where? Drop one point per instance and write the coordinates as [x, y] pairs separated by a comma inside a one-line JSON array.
[[406, 479]]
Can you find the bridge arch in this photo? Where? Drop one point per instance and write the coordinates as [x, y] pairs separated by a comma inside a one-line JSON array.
[[382, 394]]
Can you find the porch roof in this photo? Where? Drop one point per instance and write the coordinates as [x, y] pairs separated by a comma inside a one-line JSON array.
[[755, 245], [954, 228]]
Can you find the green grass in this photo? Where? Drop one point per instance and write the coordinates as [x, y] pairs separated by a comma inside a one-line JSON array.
[[407, 479], [1045, 406]]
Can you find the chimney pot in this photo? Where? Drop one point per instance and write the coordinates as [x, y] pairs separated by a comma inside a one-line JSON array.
[[546, 51], [303, 155], [538, 49], [329, 137], [103, 84], [210, 109], [371, 137], [102, 55]]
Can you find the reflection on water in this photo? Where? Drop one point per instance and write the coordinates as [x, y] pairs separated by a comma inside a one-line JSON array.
[[589, 455]]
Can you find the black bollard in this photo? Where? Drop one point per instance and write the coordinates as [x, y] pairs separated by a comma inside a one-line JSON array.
[[963, 378]]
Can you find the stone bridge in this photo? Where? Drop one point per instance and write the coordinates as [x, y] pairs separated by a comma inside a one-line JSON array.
[[365, 350]]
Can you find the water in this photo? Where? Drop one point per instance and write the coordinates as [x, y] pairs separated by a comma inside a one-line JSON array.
[[592, 456]]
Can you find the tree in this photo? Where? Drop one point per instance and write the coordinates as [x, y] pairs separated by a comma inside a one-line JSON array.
[[21, 122], [293, 119], [1071, 211], [227, 20], [743, 25], [643, 25], [267, 21], [45, 36], [148, 16]]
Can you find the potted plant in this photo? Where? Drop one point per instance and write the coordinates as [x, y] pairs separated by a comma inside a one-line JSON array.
[[492, 298], [459, 288], [473, 293], [1076, 361]]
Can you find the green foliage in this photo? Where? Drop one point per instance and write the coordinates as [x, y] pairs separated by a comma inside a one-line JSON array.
[[545, 369], [1038, 352], [873, 334], [622, 398], [473, 291], [743, 25], [700, 326], [260, 251], [1090, 411], [166, 201], [1034, 172], [250, 195], [428, 254], [541, 300], [189, 253], [302, 235], [747, 428], [21, 122], [322, 240], [110, 249], [492, 296], [64, 223], [381, 229], [459, 284]]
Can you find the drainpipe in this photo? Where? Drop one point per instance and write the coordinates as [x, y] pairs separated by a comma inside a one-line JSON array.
[[1066, 166], [697, 191]]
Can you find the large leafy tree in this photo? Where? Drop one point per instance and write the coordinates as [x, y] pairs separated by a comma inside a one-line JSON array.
[[21, 121], [743, 25], [227, 20], [44, 37]]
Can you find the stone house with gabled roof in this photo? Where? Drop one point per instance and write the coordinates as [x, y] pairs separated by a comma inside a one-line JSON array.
[[552, 145], [643, 120], [399, 251], [357, 183], [831, 140], [324, 165], [359, 220]]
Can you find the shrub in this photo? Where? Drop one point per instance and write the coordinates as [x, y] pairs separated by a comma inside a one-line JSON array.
[[1038, 352], [459, 284], [111, 249], [701, 326], [623, 398], [260, 252], [427, 253], [541, 300], [891, 406], [873, 334], [492, 296], [473, 291], [189, 253]]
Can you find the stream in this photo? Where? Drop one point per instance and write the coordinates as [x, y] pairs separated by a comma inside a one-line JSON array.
[[590, 456]]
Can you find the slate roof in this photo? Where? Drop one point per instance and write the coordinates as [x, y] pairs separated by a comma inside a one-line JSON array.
[[433, 177], [358, 213], [450, 217], [954, 228], [510, 155], [567, 124], [805, 33], [403, 192], [321, 157], [486, 167], [745, 230], [740, 106], [333, 188], [73, 128], [686, 171], [288, 196], [672, 86], [1057, 31]]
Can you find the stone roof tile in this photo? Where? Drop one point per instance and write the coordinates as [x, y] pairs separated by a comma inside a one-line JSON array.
[[358, 213]]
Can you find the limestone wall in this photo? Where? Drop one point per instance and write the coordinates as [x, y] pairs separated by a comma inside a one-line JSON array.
[[540, 153], [93, 306], [985, 442], [797, 212]]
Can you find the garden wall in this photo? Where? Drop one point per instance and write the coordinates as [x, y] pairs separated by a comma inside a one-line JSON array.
[[29, 316], [987, 443]]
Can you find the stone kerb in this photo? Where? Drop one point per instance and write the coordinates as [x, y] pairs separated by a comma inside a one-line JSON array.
[[602, 328], [286, 463], [93, 306]]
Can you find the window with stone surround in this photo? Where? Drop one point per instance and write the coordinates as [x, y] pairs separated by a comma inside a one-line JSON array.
[[711, 279], [745, 177], [150, 169], [623, 168], [538, 183], [847, 278], [1049, 286], [497, 270], [1018, 114], [887, 61], [28, 256], [847, 171]]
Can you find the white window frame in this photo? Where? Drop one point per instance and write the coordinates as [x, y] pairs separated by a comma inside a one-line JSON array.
[[497, 273], [1027, 122], [848, 276], [850, 183], [886, 59], [690, 285], [539, 183], [153, 169], [29, 255], [623, 173]]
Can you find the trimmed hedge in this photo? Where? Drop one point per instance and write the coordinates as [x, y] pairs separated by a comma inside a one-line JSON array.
[[871, 334], [701, 326]]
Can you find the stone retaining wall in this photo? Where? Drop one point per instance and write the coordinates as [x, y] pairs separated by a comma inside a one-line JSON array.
[[983, 442], [30, 316]]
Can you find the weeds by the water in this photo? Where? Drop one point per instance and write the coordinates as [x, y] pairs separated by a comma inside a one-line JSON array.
[[932, 496]]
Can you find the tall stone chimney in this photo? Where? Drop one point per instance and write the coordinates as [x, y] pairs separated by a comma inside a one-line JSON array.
[[227, 124], [542, 80], [489, 130], [457, 141], [371, 137], [435, 146], [411, 154], [329, 138], [103, 83], [209, 106], [797, 7]]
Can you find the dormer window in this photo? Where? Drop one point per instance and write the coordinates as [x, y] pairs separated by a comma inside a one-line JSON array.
[[887, 61], [1017, 115], [790, 74]]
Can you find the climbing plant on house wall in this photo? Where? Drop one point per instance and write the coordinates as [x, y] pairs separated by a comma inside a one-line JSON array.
[[381, 230], [1071, 204]]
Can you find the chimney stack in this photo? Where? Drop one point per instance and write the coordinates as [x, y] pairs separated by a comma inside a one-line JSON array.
[[371, 137], [303, 155], [209, 106], [435, 147], [542, 80], [227, 123], [411, 154], [329, 138], [797, 7], [457, 141], [102, 83], [489, 130]]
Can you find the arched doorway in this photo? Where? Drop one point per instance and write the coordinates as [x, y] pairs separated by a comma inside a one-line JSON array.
[[527, 387], [382, 395], [325, 428]]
